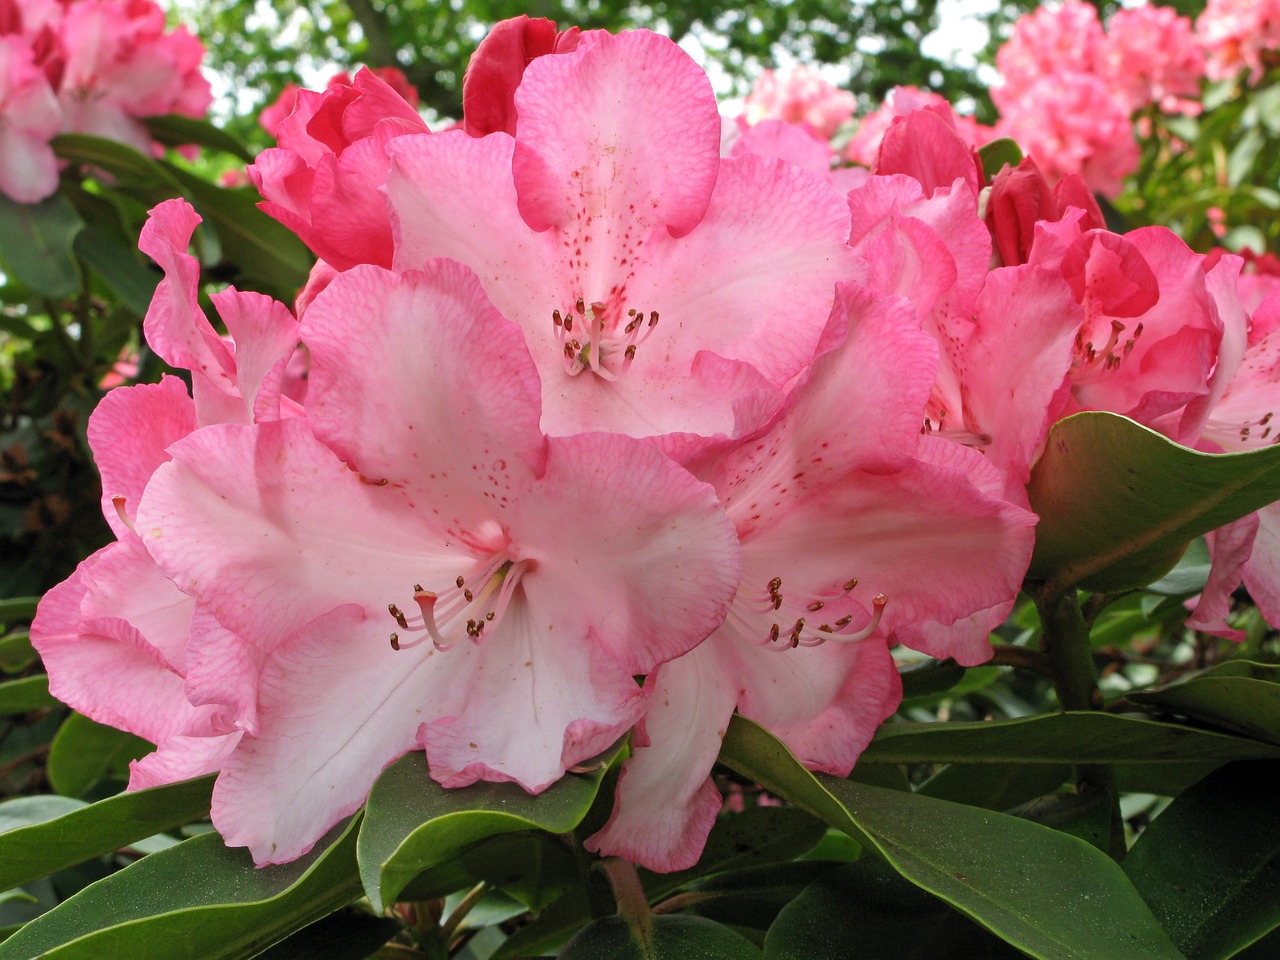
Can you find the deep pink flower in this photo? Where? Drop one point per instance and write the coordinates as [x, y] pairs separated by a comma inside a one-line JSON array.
[[496, 68], [1021, 197], [324, 181], [864, 147], [279, 109], [663, 291], [855, 530], [528, 579]]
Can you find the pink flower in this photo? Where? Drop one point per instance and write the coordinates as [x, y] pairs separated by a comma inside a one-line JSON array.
[[1151, 56], [663, 291], [1239, 33], [118, 64], [120, 641], [1021, 197], [528, 580], [29, 119], [278, 111], [324, 181], [799, 95], [864, 148], [496, 68], [1053, 40], [1073, 123], [841, 507]]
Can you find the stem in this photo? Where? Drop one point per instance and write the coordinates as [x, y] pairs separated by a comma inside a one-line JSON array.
[[450, 926], [1008, 655], [633, 905], [1075, 679], [1066, 644]]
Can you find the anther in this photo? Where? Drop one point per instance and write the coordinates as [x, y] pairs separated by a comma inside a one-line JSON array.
[[399, 617]]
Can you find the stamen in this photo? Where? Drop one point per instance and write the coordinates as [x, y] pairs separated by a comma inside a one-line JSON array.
[[446, 618], [801, 634], [118, 502]]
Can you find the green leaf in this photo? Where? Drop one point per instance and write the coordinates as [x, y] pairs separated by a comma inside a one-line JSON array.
[[25, 695], [62, 832], [1209, 864], [348, 935], [35, 245], [263, 250], [84, 752], [120, 160], [1145, 498], [1048, 894], [997, 153], [1057, 738], [868, 904], [1237, 695], [995, 786], [118, 267], [175, 130], [18, 609], [665, 938], [412, 823], [16, 652], [755, 836], [199, 900]]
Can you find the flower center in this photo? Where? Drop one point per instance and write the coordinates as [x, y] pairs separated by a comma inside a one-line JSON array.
[[1090, 357], [800, 608], [463, 611], [592, 339]]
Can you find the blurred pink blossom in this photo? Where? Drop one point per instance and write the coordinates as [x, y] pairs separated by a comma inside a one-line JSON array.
[[1151, 57], [799, 95], [1240, 33]]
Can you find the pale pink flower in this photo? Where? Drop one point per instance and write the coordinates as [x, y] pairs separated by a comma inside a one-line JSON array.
[[1239, 34], [118, 64], [856, 531], [799, 95], [664, 291], [1150, 56], [120, 641], [1072, 122], [29, 119], [528, 580]]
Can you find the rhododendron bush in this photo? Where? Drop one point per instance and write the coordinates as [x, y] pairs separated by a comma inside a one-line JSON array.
[[620, 524]]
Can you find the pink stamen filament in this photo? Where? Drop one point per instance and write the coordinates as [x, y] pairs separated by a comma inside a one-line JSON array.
[[600, 347], [459, 613], [806, 631]]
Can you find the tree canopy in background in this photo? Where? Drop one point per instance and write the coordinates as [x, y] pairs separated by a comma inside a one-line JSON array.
[[258, 46]]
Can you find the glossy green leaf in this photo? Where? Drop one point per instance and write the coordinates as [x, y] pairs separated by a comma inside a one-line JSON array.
[[546, 932], [69, 832], [1209, 864], [665, 938], [1144, 496], [17, 609], [347, 935], [1057, 738], [997, 153], [263, 250], [1048, 894], [85, 752], [750, 898], [995, 786], [175, 130], [412, 823], [118, 266], [866, 904], [25, 695], [121, 161], [199, 900], [16, 652], [757, 835], [1237, 695], [35, 245]]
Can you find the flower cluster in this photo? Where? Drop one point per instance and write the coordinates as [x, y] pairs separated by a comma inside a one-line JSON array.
[[587, 402], [1239, 34], [87, 66], [1070, 88]]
